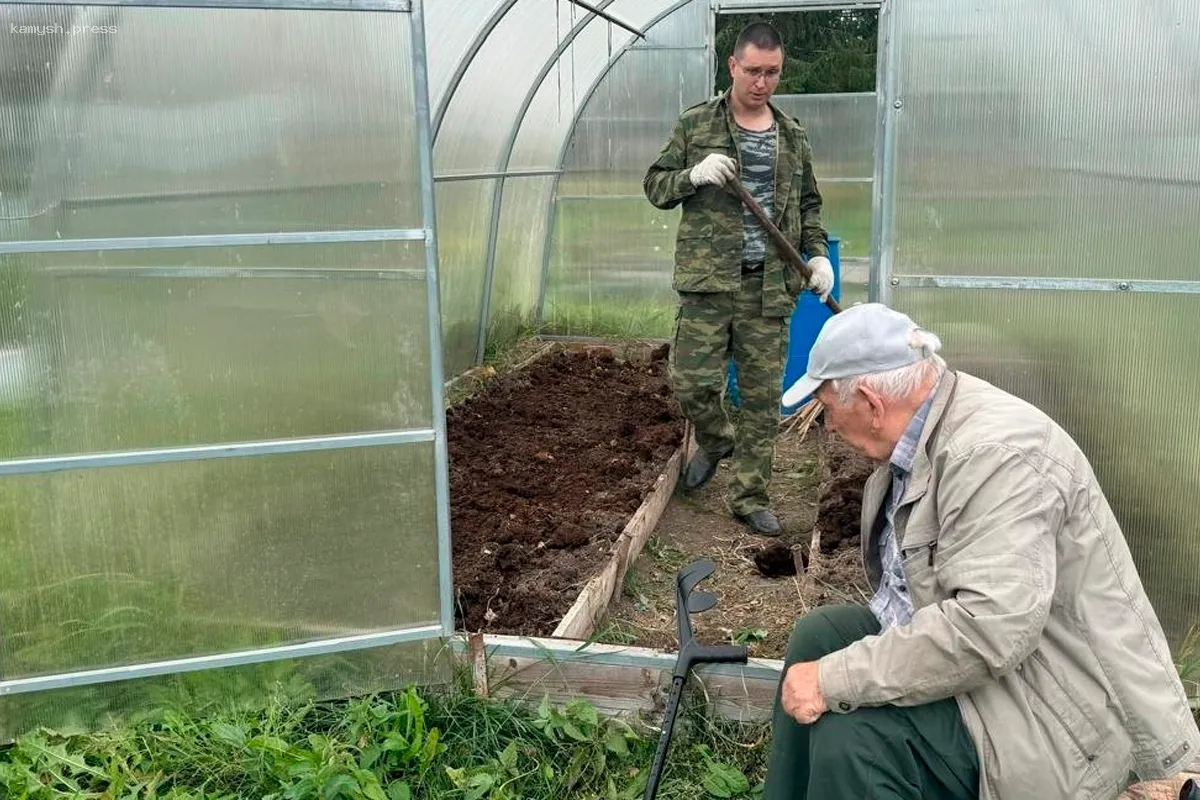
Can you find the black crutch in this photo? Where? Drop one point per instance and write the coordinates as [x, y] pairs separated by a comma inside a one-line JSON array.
[[688, 601]]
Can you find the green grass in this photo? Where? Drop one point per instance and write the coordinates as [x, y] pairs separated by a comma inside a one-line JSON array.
[[1187, 661], [408, 744], [635, 319]]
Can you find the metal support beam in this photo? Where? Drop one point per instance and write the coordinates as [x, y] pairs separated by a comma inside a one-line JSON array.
[[710, 45], [240, 273], [270, 5], [1134, 285], [570, 135], [601, 13], [465, 62], [209, 194], [436, 368], [207, 452], [342, 644], [784, 6], [827, 95], [516, 173], [211, 240], [883, 198], [502, 166]]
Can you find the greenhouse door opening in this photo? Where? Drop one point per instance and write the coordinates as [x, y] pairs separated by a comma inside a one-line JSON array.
[[829, 80], [828, 83]]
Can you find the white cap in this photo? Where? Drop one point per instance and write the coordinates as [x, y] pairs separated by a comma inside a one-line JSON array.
[[864, 338]]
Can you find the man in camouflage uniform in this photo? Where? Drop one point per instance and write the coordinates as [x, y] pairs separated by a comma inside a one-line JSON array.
[[736, 290]]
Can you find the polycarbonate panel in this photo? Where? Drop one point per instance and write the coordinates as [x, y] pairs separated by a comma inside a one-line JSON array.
[[450, 29], [359, 673], [123, 350], [841, 129], [1113, 369], [519, 251], [218, 121], [612, 252], [846, 214], [1062, 152], [483, 110], [684, 27], [122, 565], [463, 219], [610, 267], [548, 120], [629, 119], [30, 66]]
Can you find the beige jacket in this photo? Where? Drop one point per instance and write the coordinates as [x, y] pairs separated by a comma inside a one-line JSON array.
[[1029, 609]]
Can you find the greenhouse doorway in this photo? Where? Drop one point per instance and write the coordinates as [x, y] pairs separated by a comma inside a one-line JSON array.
[[829, 82]]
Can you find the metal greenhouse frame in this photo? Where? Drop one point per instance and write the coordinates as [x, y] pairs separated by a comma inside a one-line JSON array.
[[434, 433], [484, 194]]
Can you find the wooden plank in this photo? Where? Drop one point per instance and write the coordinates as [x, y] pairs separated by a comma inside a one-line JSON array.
[[477, 649], [580, 620], [626, 681], [645, 519], [543, 351], [621, 680]]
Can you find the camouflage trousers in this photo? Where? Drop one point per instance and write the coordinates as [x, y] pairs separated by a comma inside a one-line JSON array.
[[710, 329]]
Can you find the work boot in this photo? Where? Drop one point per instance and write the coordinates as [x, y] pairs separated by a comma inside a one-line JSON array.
[[762, 522], [701, 468]]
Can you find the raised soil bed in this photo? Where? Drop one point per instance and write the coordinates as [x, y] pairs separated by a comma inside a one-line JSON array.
[[549, 464]]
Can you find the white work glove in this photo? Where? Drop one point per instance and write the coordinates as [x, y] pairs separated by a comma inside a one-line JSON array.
[[716, 169], [822, 276]]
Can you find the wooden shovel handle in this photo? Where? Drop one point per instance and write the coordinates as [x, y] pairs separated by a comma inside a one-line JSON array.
[[778, 237]]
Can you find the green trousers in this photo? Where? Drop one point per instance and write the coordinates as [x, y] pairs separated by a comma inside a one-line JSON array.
[[710, 329], [881, 752]]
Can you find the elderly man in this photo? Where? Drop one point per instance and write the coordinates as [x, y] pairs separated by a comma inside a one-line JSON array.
[[1009, 650], [736, 292]]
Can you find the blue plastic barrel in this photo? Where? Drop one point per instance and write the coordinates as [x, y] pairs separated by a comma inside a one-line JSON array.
[[807, 321]]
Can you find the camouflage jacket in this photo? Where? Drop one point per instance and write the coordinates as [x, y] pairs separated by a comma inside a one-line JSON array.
[[708, 244]]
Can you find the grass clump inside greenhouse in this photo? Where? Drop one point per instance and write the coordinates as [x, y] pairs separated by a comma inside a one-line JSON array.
[[411, 744]]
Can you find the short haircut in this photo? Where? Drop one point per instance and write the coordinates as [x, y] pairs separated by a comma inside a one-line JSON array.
[[760, 34]]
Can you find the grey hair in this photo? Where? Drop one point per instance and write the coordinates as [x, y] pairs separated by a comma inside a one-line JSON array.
[[895, 384]]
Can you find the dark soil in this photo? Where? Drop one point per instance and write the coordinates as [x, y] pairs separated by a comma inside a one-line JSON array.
[[777, 561], [839, 497], [546, 467]]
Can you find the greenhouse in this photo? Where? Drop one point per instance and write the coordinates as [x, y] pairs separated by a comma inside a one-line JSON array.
[[268, 268]]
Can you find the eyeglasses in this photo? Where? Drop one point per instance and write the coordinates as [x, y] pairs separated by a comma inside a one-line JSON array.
[[770, 73]]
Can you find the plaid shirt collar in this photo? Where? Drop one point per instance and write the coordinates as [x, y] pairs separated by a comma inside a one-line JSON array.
[[905, 451]]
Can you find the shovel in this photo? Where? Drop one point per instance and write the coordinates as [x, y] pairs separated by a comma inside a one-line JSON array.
[[789, 252], [688, 601]]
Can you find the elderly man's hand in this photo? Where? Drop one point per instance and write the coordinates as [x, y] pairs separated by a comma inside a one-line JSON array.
[[802, 698]]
